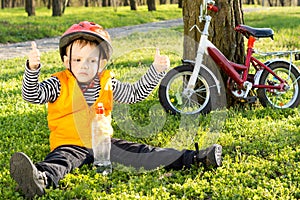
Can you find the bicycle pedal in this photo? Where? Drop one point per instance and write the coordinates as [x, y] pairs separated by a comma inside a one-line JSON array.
[[297, 56], [252, 99]]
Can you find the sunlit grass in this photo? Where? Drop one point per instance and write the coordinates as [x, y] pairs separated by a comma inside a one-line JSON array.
[[15, 26], [285, 21], [261, 150]]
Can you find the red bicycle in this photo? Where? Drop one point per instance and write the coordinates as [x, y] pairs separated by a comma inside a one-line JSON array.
[[194, 88]]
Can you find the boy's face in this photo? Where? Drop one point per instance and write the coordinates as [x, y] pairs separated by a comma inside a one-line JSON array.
[[84, 61]]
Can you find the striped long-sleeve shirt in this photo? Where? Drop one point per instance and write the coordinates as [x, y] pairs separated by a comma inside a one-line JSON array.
[[49, 89]]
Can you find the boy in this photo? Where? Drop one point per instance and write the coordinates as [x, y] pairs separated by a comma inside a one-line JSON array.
[[72, 95]]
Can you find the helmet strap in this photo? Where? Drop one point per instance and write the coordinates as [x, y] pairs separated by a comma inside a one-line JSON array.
[[70, 60], [99, 58]]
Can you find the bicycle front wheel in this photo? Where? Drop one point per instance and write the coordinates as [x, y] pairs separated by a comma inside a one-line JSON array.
[[287, 98], [175, 100]]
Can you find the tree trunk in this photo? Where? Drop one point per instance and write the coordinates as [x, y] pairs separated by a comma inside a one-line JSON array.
[[223, 35], [281, 2], [221, 32], [104, 3], [49, 4], [180, 3], [126, 3], [258, 2], [132, 5], [30, 7], [151, 5], [56, 8], [44, 2], [64, 6], [190, 13], [270, 3], [114, 4]]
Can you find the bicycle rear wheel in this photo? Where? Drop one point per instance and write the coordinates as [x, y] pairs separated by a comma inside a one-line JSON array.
[[290, 97], [173, 98]]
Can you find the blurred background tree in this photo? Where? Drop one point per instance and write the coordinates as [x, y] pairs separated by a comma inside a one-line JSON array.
[[60, 5]]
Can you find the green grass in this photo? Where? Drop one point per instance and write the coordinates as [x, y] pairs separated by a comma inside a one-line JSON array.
[[260, 145], [286, 25], [15, 26]]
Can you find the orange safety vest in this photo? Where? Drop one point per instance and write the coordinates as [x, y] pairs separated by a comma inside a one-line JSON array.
[[70, 117]]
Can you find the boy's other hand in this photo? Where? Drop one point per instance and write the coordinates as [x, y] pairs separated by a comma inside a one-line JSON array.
[[34, 57], [161, 62]]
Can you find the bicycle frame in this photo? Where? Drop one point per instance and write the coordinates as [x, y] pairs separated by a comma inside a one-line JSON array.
[[290, 53], [194, 87], [231, 68], [237, 72]]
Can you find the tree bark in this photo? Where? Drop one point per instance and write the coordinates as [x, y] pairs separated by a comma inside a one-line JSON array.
[[105, 3], [126, 3], [180, 3], [221, 32], [281, 2], [190, 13], [132, 5], [64, 6], [30, 7], [56, 8], [151, 5], [49, 4], [270, 3]]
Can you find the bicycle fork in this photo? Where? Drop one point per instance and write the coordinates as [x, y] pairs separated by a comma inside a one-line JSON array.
[[188, 91], [198, 63]]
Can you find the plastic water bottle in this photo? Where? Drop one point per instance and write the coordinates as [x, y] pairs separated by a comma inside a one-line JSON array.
[[101, 143]]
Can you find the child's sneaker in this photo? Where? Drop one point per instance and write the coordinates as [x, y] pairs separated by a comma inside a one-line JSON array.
[[31, 181], [210, 157]]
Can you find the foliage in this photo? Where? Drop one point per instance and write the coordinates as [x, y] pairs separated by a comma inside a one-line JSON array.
[[260, 145]]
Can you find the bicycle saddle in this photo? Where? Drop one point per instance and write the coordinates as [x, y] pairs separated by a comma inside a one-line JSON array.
[[255, 32]]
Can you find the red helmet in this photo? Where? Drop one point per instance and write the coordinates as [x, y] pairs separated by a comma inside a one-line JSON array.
[[87, 31]]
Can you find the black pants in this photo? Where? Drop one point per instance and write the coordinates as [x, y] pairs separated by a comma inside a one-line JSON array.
[[64, 159]]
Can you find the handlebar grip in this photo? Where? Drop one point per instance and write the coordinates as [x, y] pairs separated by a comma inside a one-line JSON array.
[[213, 8]]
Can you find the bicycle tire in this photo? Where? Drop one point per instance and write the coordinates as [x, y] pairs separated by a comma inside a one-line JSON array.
[[275, 98], [171, 94]]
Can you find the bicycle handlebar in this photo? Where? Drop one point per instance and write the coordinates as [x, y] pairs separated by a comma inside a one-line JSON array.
[[204, 7], [212, 8]]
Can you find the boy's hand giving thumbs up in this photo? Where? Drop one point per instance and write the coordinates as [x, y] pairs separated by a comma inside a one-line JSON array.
[[161, 62], [34, 57]]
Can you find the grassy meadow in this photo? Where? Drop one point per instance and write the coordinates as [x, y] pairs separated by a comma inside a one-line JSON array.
[[17, 27], [261, 151]]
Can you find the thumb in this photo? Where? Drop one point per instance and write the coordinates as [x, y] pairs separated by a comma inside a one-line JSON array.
[[157, 52], [33, 45]]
